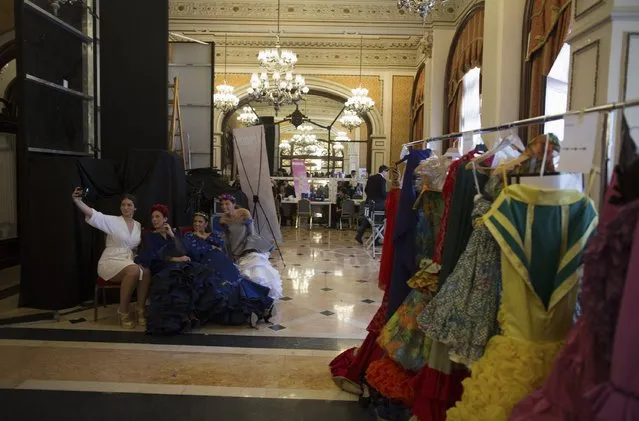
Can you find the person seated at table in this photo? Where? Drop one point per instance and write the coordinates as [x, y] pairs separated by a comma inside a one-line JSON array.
[[249, 250], [342, 195], [194, 281], [116, 264]]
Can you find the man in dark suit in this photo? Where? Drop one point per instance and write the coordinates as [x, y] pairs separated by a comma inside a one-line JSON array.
[[375, 192]]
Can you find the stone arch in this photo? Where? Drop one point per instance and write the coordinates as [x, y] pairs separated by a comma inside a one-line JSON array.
[[379, 144], [320, 85]]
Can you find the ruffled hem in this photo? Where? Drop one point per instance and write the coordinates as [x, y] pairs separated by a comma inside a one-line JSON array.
[[257, 268], [349, 367], [574, 373], [612, 404], [391, 380], [509, 370]]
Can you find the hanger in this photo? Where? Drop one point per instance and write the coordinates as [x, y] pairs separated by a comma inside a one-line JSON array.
[[511, 140], [453, 151], [526, 155]]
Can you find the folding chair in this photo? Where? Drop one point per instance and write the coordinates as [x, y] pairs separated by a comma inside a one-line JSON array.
[[377, 220]]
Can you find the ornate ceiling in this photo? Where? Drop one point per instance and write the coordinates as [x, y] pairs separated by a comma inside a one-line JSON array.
[[324, 33]]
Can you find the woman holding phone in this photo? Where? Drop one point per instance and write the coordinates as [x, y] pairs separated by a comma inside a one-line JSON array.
[[116, 264]]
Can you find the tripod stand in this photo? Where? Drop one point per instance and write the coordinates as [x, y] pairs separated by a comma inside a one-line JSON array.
[[255, 192]]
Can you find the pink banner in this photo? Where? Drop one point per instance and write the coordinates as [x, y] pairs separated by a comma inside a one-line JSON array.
[[300, 180]]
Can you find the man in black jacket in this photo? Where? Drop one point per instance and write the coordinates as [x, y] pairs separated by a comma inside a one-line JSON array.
[[375, 192]]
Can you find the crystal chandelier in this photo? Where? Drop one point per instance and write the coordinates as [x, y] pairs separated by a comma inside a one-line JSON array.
[[360, 103], [277, 85], [423, 7], [305, 138], [284, 144], [247, 117], [350, 120], [224, 99]]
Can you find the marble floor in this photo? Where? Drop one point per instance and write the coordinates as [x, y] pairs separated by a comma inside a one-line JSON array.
[[279, 370]]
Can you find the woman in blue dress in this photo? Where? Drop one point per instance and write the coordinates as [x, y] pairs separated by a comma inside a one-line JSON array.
[[194, 282]]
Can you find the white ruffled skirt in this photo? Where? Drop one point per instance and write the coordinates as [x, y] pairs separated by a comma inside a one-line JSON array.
[[258, 269]]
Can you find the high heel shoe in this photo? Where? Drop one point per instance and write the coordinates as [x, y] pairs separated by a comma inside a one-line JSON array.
[[141, 317], [125, 320]]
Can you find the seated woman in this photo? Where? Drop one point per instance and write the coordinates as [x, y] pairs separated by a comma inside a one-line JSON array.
[[195, 282], [249, 250], [116, 263]]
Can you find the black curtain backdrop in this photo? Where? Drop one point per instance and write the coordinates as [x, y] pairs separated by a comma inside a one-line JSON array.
[[59, 251], [133, 76]]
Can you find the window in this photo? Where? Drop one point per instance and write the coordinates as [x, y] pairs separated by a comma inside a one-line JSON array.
[[471, 103], [557, 91]]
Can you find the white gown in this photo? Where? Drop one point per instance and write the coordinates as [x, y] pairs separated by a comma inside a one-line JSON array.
[[120, 243], [251, 253]]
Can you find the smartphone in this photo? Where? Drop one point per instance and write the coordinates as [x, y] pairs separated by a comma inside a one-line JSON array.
[[85, 191]]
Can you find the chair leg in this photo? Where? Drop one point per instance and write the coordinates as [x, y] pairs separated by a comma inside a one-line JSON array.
[[104, 300], [96, 296]]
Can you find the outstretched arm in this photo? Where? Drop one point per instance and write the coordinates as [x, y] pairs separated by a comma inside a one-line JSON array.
[[77, 199]]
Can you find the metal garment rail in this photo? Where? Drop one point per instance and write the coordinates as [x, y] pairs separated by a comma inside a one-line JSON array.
[[531, 121]]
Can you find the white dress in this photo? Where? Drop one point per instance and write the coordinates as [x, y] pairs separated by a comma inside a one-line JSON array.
[[251, 253], [120, 243]]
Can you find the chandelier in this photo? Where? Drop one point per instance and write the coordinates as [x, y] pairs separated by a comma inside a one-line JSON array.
[[305, 138], [360, 103], [247, 117], [224, 99], [423, 7], [277, 85], [350, 120]]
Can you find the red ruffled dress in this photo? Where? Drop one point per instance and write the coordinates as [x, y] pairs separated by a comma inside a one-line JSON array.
[[349, 367]]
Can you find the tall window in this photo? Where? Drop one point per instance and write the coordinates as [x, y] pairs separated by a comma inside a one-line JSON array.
[[471, 103], [557, 92]]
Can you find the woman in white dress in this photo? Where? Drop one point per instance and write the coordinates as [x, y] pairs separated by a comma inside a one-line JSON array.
[[247, 249], [116, 265]]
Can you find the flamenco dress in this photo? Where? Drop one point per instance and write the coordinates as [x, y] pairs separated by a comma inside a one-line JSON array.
[[585, 361], [349, 367], [542, 236], [209, 288]]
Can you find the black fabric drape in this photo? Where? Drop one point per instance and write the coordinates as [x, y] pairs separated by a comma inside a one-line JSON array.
[[59, 251], [156, 177]]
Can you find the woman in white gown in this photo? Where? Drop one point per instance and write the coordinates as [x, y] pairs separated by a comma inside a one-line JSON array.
[[249, 250], [116, 265]]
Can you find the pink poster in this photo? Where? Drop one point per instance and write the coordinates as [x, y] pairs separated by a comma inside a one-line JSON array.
[[300, 180]]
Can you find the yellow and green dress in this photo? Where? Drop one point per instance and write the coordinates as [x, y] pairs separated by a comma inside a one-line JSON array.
[[542, 235]]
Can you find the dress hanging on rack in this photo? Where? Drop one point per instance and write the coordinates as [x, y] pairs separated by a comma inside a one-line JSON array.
[[584, 362], [542, 235], [463, 314], [404, 265], [618, 399], [388, 251]]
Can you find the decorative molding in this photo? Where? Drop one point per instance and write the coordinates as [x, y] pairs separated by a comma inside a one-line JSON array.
[[378, 43], [581, 10], [575, 55], [426, 46], [379, 11]]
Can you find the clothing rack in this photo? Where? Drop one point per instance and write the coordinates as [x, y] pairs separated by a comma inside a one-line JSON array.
[[530, 121]]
